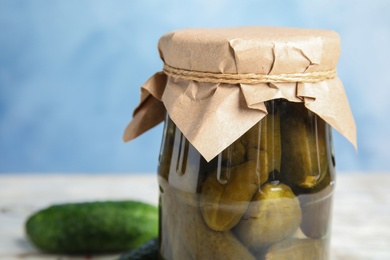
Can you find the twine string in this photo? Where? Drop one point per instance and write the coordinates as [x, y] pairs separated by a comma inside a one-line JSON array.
[[248, 78]]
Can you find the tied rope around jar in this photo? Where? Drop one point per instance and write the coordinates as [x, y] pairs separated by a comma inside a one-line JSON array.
[[248, 78]]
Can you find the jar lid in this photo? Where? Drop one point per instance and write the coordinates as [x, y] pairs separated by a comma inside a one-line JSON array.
[[262, 50], [217, 80]]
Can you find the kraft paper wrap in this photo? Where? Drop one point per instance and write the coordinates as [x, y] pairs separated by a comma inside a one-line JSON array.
[[213, 115]]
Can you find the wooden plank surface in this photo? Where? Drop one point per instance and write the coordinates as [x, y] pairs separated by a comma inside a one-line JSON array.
[[361, 215]]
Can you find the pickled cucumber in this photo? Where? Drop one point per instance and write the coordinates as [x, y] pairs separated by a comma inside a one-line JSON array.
[[234, 155], [316, 209], [304, 149], [195, 236], [297, 249], [265, 138], [273, 214], [171, 239], [166, 149], [224, 203]]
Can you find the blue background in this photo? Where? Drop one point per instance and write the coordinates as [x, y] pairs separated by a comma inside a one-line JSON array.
[[70, 73]]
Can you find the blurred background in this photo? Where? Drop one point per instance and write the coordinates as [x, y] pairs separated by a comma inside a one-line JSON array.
[[70, 73]]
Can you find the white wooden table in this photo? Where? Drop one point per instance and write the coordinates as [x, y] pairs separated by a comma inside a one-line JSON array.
[[361, 221]]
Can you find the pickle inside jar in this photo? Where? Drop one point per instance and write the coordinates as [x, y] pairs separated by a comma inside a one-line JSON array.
[[298, 249], [165, 156], [304, 150], [273, 214], [228, 190], [194, 239], [223, 203]]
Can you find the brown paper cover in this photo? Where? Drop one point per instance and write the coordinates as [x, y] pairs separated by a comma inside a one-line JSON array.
[[213, 115]]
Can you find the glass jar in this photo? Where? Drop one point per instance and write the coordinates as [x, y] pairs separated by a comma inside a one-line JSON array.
[[267, 196], [250, 173]]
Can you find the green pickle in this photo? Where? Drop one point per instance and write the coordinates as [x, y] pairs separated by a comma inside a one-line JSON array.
[[223, 204], [273, 214], [266, 196], [304, 152], [166, 148], [234, 154], [301, 249]]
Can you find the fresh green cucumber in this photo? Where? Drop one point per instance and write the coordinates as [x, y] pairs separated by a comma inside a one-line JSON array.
[[93, 227]]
